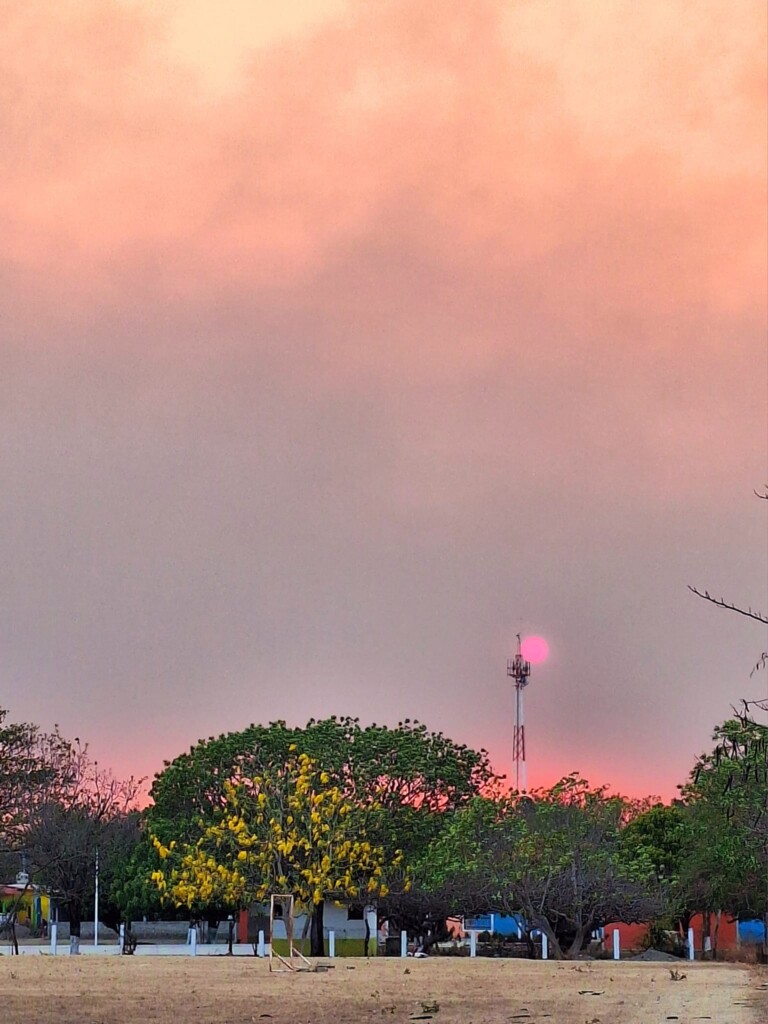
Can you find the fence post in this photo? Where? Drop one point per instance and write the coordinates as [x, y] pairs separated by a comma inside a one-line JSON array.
[[121, 939], [616, 944], [54, 938], [193, 942], [260, 950], [544, 946], [403, 944], [691, 950], [473, 943], [331, 943]]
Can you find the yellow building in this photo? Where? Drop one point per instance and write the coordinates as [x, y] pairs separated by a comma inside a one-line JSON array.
[[33, 907]]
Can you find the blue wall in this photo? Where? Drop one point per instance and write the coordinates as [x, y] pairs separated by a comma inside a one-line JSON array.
[[751, 931]]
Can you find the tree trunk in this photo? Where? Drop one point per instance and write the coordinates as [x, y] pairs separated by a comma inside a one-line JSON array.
[[578, 941], [74, 928], [707, 935], [316, 937], [129, 941], [555, 949], [367, 933], [718, 915]]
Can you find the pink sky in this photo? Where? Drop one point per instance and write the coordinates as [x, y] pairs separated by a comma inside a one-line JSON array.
[[342, 342]]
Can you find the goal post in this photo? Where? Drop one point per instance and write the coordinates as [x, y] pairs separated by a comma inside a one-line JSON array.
[[281, 908]]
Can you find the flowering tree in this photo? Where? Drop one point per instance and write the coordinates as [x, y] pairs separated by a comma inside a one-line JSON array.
[[288, 829]]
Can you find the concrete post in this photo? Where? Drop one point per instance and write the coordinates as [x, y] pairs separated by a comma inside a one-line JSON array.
[[616, 944], [473, 943], [403, 944], [544, 946], [193, 942], [121, 939], [54, 938], [331, 944], [260, 947], [691, 950]]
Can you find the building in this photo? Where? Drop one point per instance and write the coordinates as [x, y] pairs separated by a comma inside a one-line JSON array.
[[346, 921], [32, 906]]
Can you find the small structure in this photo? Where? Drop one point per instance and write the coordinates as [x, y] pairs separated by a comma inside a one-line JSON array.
[[281, 908], [29, 902]]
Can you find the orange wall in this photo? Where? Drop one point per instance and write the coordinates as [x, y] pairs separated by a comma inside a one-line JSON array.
[[632, 935]]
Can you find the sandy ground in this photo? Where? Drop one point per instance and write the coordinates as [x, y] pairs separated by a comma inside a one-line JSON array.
[[220, 990]]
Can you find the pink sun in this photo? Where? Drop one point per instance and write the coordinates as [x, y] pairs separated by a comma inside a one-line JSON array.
[[535, 649]]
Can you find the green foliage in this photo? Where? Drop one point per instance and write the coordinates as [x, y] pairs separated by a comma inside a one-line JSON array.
[[727, 801], [659, 837], [405, 776], [554, 854], [129, 896], [34, 767]]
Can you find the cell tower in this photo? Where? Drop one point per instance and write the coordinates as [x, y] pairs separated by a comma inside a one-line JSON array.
[[520, 670]]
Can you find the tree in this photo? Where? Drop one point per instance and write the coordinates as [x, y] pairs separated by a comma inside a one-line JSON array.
[[553, 855], [406, 779], [33, 766], [727, 796], [289, 829], [407, 776], [92, 814], [661, 839]]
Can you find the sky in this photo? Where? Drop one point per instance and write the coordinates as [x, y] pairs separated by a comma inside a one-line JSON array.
[[341, 342]]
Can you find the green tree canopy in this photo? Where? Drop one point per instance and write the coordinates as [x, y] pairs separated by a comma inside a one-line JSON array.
[[406, 776], [553, 855], [727, 800]]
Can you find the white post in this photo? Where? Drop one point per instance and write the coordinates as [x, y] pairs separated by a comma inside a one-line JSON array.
[[96, 905], [403, 944], [616, 944], [54, 928], [691, 950], [260, 950], [331, 944], [544, 946], [473, 943], [121, 939], [193, 942], [493, 923]]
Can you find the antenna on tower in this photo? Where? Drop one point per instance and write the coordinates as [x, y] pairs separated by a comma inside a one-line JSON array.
[[520, 670]]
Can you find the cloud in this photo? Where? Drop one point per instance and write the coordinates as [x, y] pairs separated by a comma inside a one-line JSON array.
[[338, 343]]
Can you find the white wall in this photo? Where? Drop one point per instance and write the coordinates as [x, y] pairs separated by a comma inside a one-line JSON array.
[[335, 919]]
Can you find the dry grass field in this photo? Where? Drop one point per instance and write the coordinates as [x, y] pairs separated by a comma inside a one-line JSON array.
[[220, 990]]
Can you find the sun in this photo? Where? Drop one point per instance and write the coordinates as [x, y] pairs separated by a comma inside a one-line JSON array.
[[535, 649]]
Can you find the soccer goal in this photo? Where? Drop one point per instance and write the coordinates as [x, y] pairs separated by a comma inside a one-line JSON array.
[[281, 908]]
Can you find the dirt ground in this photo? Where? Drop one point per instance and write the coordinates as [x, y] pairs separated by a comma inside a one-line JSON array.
[[222, 990]]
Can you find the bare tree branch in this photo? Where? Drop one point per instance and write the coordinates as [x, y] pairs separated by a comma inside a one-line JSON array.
[[722, 603]]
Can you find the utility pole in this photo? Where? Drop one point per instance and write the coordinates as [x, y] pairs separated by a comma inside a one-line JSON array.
[[96, 904]]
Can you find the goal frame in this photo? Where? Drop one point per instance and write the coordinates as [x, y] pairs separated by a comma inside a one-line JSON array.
[[295, 961]]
